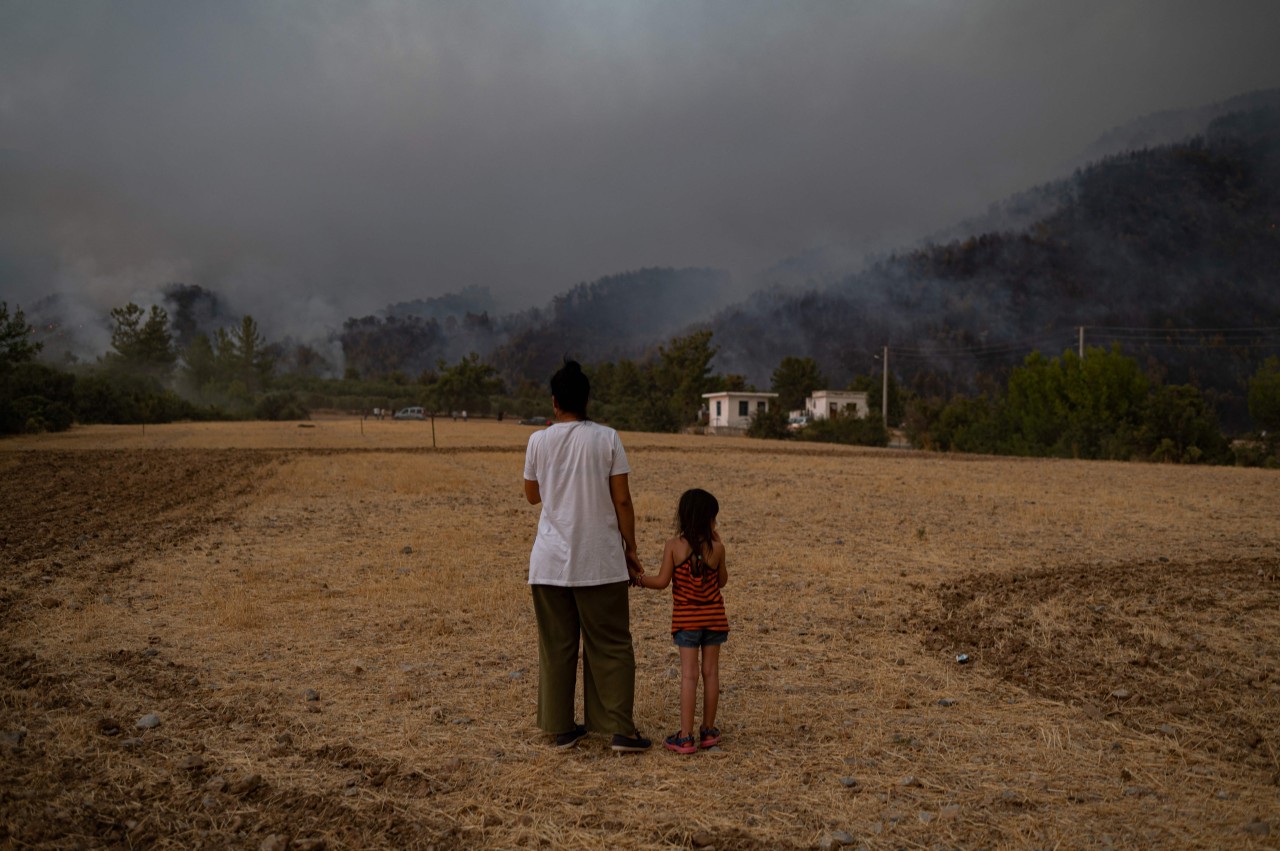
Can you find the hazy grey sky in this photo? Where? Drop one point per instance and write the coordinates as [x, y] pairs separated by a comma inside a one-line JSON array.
[[325, 157]]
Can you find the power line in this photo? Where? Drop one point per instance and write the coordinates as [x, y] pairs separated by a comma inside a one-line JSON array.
[[1181, 338], [1189, 338], [1222, 343], [1268, 328], [980, 349]]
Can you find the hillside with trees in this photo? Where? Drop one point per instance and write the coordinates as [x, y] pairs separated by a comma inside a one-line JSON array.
[[620, 316], [1160, 251]]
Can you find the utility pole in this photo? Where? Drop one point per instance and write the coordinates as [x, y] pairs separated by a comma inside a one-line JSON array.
[[884, 389], [1080, 328]]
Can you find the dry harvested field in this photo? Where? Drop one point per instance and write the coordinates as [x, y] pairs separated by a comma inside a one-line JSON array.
[[331, 627]]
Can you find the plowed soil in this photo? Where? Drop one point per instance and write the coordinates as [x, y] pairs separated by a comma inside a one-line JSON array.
[[1151, 645], [337, 649]]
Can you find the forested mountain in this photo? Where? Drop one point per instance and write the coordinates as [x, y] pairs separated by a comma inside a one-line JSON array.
[[471, 299], [1185, 236], [615, 317], [1171, 126]]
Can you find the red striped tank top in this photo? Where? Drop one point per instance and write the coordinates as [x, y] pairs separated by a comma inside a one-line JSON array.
[[696, 601]]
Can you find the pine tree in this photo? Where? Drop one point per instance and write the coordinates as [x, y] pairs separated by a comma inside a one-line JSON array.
[[141, 342], [241, 355], [16, 345], [794, 380], [681, 375], [199, 366]]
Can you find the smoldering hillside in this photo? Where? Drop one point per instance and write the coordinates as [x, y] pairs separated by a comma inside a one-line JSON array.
[[1159, 249], [1178, 237]]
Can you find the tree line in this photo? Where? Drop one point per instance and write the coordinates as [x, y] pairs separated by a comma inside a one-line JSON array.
[[233, 373], [1099, 406]]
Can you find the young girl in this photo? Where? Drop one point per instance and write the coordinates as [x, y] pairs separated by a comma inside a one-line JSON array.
[[693, 563]]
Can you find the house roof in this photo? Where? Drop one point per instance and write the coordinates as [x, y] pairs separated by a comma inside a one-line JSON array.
[[754, 394], [838, 393]]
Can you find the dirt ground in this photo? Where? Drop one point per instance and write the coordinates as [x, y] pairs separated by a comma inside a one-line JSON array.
[[273, 636]]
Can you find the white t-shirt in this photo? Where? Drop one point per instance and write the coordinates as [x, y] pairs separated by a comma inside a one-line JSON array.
[[578, 540]]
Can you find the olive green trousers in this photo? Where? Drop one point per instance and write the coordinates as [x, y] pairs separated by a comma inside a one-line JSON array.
[[599, 616]]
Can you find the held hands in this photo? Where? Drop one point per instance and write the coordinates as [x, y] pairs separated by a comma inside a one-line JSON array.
[[634, 569]]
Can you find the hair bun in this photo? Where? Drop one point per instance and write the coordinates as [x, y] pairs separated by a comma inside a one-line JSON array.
[[570, 388]]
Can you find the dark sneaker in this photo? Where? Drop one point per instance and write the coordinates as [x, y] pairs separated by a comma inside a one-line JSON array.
[[571, 738], [681, 744], [630, 744], [709, 737]]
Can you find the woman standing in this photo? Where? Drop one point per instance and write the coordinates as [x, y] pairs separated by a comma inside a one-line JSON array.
[[580, 569]]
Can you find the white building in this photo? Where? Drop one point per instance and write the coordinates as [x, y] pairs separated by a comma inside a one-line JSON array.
[[825, 403], [730, 411]]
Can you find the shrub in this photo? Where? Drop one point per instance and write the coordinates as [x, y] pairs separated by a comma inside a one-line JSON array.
[[1264, 396], [1074, 407], [770, 424], [35, 397], [35, 414], [1179, 426], [115, 397], [1254, 453], [849, 429], [921, 422], [11, 421], [281, 406]]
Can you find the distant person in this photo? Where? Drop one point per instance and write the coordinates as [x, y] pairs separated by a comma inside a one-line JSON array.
[[693, 563], [464, 416], [583, 559]]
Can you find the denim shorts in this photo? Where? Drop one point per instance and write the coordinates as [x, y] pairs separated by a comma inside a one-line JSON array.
[[699, 637]]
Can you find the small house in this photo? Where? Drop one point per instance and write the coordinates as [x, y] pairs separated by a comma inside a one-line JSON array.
[[730, 411], [827, 403]]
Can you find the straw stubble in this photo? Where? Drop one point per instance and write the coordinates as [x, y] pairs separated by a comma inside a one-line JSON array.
[[345, 618]]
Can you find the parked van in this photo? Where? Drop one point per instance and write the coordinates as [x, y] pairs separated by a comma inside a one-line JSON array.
[[414, 413]]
